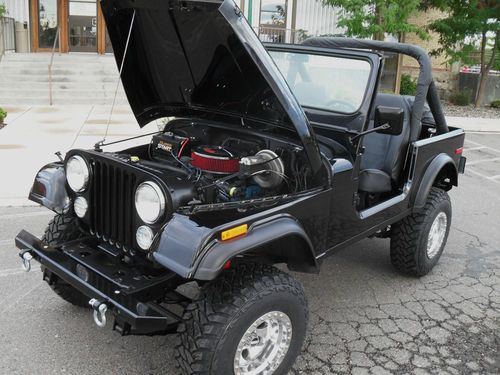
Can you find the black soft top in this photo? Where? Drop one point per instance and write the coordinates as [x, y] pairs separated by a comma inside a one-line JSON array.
[[426, 89]]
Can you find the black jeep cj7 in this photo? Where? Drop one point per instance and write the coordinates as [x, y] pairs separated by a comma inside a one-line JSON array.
[[276, 154]]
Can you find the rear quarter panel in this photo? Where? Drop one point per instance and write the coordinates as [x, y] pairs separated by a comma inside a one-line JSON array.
[[425, 150]]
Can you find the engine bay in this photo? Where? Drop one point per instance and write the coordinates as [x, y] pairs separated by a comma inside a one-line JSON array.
[[204, 164]]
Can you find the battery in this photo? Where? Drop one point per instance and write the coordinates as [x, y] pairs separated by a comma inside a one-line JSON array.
[[165, 144]]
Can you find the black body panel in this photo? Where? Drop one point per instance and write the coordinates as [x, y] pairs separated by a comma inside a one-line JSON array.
[[184, 242]]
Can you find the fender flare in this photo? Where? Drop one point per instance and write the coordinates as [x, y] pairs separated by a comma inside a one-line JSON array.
[[300, 257], [49, 188], [431, 173]]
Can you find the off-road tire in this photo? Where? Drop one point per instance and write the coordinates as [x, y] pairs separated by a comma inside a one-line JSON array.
[[63, 228], [409, 236], [213, 325]]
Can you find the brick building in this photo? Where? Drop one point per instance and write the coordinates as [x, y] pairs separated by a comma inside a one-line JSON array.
[[445, 75]]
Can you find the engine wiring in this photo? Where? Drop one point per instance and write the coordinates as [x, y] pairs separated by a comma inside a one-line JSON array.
[[252, 180]]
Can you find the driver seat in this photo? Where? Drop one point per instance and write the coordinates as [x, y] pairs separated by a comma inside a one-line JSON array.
[[384, 156]]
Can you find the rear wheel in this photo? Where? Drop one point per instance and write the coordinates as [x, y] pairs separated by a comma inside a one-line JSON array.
[[418, 240], [63, 228], [251, 320]]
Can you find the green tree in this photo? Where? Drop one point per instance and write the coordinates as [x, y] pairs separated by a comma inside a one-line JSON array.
[[469, 25], [3, 10], [373, 18]]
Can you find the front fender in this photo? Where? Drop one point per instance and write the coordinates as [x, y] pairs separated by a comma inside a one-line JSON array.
[[271, 231], [49, 188], [194, 251]]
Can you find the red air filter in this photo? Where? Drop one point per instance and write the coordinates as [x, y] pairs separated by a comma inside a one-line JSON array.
[[215, 159]]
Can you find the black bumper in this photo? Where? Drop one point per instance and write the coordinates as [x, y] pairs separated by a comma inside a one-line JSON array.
[[126, 291]]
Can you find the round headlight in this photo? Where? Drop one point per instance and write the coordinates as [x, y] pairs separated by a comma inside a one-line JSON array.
[[80, 206], [144, 237], [149, 202], [77, 173]]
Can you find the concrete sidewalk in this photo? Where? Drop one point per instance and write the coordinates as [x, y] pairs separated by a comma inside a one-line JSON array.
[[34, 133], [473, 124]]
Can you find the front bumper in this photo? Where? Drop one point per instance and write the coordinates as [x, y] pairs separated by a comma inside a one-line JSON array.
[[129, 294]]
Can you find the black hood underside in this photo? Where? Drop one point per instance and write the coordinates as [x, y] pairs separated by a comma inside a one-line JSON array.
[[200, 59], [184, 56]]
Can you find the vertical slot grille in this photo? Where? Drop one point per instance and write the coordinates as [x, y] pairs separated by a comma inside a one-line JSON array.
[[112, 204]]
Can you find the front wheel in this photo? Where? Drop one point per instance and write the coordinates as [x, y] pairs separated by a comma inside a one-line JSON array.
[[418, 240], [63, 228], [251, 320]]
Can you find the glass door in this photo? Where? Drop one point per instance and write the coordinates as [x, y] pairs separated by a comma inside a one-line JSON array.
[[47, 23], [109, 47], [82, 26]]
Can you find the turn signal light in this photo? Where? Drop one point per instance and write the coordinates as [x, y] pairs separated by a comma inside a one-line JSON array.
[[240, 230], [459, 151]]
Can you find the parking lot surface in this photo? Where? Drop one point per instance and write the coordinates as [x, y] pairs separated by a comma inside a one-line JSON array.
[[365, 317]]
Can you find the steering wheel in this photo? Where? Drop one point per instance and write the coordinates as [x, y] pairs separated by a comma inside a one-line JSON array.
[[340, 106]]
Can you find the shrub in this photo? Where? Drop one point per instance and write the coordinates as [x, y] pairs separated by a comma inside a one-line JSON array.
[[460, 98], [495, 103], [408, 85], [3, 115], [3, 10]]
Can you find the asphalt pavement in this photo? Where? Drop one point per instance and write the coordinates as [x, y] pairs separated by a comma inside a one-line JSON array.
[[365, 317]]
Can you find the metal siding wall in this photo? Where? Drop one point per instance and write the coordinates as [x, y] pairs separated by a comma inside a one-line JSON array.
[[316, 18], [17, 9]]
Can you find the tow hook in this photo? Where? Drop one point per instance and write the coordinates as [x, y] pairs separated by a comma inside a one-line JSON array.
[[100, 309], [26, 260]]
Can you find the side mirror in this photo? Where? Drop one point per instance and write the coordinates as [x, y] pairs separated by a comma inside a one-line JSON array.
[[392, 116]]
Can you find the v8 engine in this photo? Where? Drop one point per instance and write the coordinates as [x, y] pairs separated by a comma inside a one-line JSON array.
[[227, 171]]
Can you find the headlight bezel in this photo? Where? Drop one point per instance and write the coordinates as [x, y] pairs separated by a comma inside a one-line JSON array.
[[162, 202], [86, 174]]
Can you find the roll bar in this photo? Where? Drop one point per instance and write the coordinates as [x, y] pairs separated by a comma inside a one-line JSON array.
[[426, 89]]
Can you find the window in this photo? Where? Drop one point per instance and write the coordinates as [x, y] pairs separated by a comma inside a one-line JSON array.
[[47, 23], [273, 21], [83, 25], [325, 82], [273, 13]]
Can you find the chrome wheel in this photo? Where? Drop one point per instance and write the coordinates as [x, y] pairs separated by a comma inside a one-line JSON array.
[[264, 345], [436, 235]]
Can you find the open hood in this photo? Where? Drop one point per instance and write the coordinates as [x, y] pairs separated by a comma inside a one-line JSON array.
[[186, 58]]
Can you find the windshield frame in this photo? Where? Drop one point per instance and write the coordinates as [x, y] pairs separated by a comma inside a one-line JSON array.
[[374, 59]]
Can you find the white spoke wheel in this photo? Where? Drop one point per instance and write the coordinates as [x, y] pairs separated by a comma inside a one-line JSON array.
[[437, 233], [251, 320], [264, 345], [418, 240]]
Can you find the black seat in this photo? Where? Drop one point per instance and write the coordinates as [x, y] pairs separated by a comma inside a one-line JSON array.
[[384, 156]]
